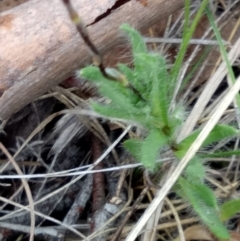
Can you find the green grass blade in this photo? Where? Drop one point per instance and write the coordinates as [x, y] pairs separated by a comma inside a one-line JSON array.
[[178, 63], [223, 50], [196, 66], [186, 17], [220, 154]]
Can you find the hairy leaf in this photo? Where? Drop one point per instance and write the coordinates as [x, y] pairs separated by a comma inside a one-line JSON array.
[[229, 209], [119, 95], [136, 80], [114, 111], [138, 45], [195, 170], [92, 73], [150, 148], [159, 96], [134, 146], [218, 133], [205, 205]]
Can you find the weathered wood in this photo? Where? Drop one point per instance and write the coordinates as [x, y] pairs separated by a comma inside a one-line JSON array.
[[40, 47], [8, 4]]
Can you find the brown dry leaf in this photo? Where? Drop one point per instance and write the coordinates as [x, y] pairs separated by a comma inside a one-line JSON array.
[[234, 236], [197, 232]]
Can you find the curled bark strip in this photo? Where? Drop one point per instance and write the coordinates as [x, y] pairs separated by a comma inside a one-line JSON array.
[[40, 47]]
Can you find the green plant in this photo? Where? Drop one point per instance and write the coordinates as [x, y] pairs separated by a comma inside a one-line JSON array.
[[151, 79], [142, 95]]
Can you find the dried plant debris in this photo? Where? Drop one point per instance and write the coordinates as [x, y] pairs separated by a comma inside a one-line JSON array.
[[100, 206], [63, 144], [67, 137], [28, 119], [67, 129]]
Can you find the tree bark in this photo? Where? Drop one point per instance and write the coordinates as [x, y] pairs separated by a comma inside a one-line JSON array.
[[40, 47]]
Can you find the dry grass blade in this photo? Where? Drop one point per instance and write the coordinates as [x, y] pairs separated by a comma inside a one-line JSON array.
[[73, 181], [27, 189], [151, 227], [208, 91], [26, 229], [179, 41], [44, 216], [128, 215], [177, 218]]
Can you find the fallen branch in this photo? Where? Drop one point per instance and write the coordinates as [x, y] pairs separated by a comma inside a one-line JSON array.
[[40, 47]]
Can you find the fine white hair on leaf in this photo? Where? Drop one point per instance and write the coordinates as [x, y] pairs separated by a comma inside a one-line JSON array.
[[68, 127]]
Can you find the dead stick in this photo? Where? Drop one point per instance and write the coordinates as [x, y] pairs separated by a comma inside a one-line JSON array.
[[98, 178]]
